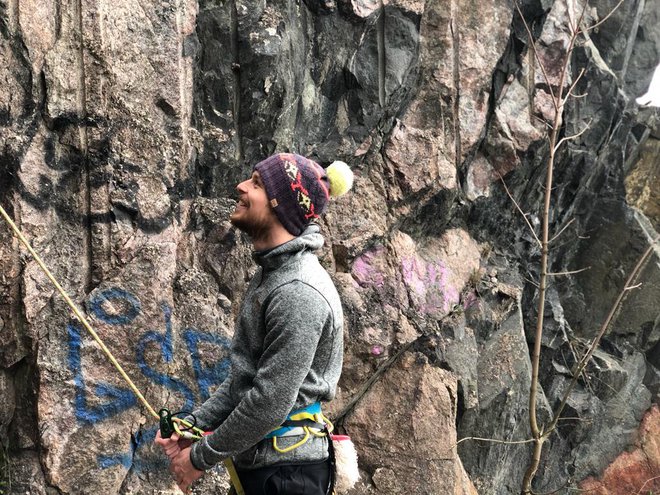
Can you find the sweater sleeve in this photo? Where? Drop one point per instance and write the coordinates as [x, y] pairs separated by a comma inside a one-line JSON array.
[[295, 317]]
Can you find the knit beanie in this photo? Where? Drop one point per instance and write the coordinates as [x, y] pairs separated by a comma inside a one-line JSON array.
[[299, 188]]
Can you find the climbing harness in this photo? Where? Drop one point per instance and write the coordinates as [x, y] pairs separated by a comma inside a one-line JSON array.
[[308, 422], [170, 421]]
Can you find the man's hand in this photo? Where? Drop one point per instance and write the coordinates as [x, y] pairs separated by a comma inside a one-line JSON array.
[[183, 470], [178, 451], [173, 445]]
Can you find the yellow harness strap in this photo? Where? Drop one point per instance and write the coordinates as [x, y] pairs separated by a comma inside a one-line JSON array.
[[308, 431]]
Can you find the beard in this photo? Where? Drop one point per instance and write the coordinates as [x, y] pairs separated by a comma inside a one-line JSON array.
[[255, 228]]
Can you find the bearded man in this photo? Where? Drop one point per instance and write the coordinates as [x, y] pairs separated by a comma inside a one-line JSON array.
[[287, 349]]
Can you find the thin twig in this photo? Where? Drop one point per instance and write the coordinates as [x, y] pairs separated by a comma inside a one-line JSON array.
[[583, 95], [642, 487], [562, 230], [536, 55], [568, 18], [571, 348], [569, 51], [634, 286], [572, 272], [570, 90], [568, 138], [492, 440], [543, 121], [594, 344], [563, 487], [538, 241], [594, 26]]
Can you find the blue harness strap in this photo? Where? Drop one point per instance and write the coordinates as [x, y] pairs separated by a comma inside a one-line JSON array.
[[309, 413]]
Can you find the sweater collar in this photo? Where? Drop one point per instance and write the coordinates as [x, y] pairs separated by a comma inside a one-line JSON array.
[[310, 239]]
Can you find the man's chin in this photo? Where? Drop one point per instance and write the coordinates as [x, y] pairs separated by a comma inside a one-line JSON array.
[[236, 222], [240, 224]]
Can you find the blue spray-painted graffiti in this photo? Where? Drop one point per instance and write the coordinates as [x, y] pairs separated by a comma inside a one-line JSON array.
[[165, 343], [129, 306], [115, 306], [206, 376], [134, 459], [119, 399]]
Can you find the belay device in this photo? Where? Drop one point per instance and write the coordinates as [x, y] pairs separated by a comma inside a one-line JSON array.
[[166, 423]]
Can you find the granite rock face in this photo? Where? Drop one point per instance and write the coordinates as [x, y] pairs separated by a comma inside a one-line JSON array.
[[636, 469], [125, 127]]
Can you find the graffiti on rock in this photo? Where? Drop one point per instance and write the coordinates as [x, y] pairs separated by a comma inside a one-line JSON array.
[[117, 307], [206, 376], [368, 268], [115, 399], [428, 285], [131, 304], [164, 341], [66, 167], [134, 458]]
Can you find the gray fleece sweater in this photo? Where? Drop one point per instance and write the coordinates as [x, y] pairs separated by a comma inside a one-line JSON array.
[[286, 353]]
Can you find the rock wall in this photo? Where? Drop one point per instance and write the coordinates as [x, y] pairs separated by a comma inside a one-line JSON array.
[[125, 127]]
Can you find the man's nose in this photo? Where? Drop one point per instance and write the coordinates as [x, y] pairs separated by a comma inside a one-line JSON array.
[[241, 186]]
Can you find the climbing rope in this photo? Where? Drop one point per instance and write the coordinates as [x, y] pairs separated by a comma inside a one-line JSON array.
[[229, 465]]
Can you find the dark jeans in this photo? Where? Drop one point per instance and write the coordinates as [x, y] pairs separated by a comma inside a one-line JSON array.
[[290, 479]]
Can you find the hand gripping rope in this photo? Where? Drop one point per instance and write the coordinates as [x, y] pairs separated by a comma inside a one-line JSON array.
[[170, 421]]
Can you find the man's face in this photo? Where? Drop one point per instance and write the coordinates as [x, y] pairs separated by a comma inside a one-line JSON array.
[[253, 214]]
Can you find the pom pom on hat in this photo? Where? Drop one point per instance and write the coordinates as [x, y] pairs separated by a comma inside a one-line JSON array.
[[340, 178]]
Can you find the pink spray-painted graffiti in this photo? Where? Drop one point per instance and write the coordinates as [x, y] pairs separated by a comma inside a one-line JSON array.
[[428, 282], [429, 285], [366, 270]]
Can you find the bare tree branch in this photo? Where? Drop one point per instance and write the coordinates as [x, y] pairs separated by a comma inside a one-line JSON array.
[[594, 344], [569, 51], [543, 121], [556, 274], [536, 56], [562, 230], [559, 98], [568, 138], [642, 487], [583, 95], [570, 90], [539, 435], [562, 487], [594, 26], [519, 209]]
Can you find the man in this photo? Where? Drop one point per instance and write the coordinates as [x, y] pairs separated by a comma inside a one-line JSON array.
[[287, 350]]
